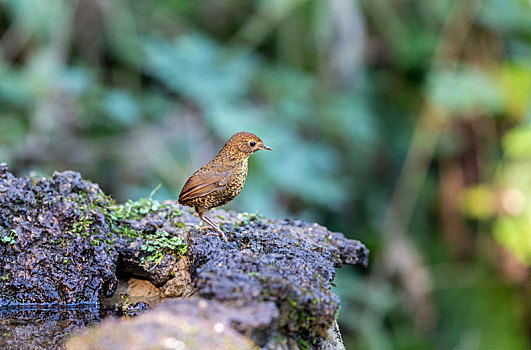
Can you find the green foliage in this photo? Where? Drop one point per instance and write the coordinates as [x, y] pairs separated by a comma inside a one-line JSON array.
[[504, 200], [125, 305], [246, 218], [87, 209], [465, 92], [517, 143], [9, 237], [469, 304], [135, 210], [160, 243]]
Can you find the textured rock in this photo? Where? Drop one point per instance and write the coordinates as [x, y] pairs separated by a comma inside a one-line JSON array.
[[43, 328], [141, 289], [290, 263], [333, 340], [63, 241], [184, 324], [131, 257], [53, 241]]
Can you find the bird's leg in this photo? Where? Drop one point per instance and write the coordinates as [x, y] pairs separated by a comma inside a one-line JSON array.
[[213, 225]]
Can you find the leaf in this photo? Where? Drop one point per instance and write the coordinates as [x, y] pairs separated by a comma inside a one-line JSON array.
[[517, 142], [465, 93], [479, 202], [515, 86], [199, 69], [121, 107], [515, 234]]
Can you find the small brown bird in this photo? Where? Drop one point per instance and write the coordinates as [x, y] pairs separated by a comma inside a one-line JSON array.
[[222, 179]]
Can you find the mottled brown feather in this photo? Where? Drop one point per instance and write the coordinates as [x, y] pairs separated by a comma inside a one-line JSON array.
[[222, 179], [202, 183]]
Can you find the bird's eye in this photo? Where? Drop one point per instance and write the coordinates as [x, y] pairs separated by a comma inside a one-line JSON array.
[[252, 143]]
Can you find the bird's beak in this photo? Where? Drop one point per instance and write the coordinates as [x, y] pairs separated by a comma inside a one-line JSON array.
[[266, 148]]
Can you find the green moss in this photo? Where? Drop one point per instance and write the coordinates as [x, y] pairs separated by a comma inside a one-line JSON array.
[[336, 314], [299, 317], [82, 227], [126, 230], [247, 218], [9, 237], [292, 302], [136, 210], [156, 245], [90, 206], [304, 320], [304, 344], [160, 243]]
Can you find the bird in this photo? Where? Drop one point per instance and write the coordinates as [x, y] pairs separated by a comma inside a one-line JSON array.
[[222, 179]]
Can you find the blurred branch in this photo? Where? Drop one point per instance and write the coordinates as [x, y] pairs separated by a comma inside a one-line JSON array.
[[401, 255], [430, 124], [387, 19], [13, 41], [347, 42], [259, 25]]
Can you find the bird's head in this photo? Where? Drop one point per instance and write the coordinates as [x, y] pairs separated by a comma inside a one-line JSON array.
[[245, 143]]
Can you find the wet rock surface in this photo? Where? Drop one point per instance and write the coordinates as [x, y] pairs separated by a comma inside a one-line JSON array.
[[54, 241], [44, 328], [64, 242]]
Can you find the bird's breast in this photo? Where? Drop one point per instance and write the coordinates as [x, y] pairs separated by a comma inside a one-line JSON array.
[[237, 179]]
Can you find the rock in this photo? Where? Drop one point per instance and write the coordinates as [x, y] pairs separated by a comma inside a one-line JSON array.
[[31, 327], [52, 247], [153, 224], [333, 340], [184, 324], [63, 241], [256, 320], [181, 285], [290, 263], [141, 289]]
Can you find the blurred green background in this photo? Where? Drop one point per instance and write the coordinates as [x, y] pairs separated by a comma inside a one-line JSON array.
[[404, 124]]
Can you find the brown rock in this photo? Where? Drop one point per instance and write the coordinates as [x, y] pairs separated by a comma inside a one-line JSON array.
[[185, 324], [142, 288]]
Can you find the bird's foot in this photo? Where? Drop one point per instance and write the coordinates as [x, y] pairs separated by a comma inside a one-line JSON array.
[[217, 232], [221, 234], [214, 227]]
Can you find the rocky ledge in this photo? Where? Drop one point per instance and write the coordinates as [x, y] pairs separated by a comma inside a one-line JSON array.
[[63, 241]]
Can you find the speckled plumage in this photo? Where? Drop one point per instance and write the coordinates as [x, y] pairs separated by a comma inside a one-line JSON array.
[[221, 179]]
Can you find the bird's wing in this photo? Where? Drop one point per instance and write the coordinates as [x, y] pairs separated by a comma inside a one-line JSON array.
[[204, 182]]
